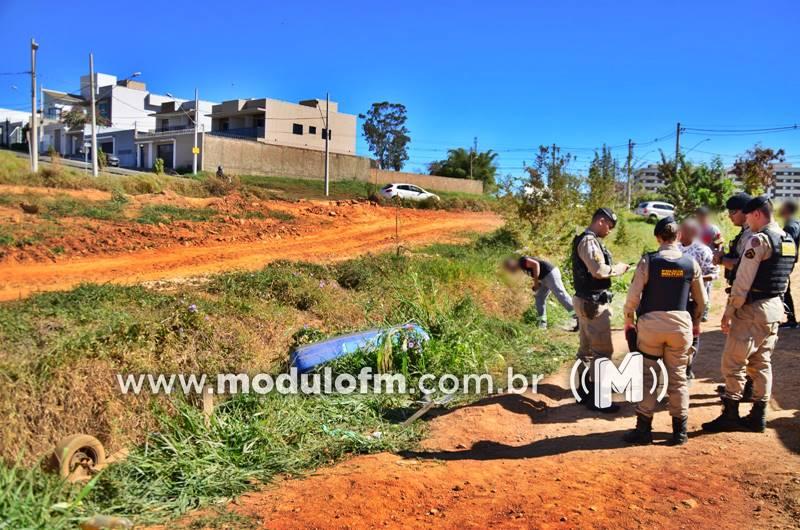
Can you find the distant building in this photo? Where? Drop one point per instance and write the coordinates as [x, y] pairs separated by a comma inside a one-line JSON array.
[[13, 125], [787, 181], [648, 179], [283, 123], [123, 107], [172, 139]]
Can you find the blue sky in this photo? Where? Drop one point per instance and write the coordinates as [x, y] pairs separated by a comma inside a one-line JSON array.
[[513, 74]]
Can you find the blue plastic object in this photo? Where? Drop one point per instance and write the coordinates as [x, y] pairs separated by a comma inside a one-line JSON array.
[[308, 357]]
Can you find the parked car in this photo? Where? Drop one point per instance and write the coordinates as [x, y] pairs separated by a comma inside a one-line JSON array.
[[654, 210], [113, 160], [407, 192]]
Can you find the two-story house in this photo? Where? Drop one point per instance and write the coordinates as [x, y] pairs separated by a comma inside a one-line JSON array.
[[283, 123]]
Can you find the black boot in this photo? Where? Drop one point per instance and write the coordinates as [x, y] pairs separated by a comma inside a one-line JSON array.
[[642, 434], [679, 436], [747, 392], [728, 421], [756, 421]]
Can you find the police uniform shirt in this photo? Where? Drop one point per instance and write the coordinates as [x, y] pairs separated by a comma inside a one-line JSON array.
[[591, 254], [740, 244], [669, 318], [756, 249]]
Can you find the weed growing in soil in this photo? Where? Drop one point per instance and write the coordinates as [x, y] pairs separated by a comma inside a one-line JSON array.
[[165, 214]]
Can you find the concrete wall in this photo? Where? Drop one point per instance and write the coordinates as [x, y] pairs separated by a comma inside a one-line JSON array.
[[429, 182], [244, 157]]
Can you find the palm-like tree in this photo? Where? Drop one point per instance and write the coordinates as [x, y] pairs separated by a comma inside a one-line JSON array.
[[457, 165]]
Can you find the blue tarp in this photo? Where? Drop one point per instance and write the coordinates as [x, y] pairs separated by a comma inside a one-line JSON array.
[[308, 357]]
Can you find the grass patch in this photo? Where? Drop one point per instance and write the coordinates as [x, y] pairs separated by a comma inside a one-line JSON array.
[[291, 188], [165, 214], [63, 349]]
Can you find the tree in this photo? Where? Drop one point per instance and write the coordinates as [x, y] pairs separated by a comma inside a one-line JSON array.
[[755, 168], [79, 116], [460, 160], [692, 186], [386, 134], [602, 181]]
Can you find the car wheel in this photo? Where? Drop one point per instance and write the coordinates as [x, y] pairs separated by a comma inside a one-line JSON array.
[[653, 218]]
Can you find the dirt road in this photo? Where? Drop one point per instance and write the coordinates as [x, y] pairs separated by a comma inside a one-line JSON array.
[[542, 461], [318, 232]]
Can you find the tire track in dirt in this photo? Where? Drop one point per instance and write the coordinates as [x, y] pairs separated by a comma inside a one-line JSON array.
[[542, 461], [330, 242]]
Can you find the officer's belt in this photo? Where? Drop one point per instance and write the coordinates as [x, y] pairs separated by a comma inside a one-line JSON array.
[[654, 358]]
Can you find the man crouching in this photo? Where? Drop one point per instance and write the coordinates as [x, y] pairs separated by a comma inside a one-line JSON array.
[[658, 296]]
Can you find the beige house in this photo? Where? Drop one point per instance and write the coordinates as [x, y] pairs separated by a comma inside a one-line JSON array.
[[279, 122]]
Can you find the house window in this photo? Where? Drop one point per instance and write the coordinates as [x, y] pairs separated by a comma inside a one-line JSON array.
[[103, 109], [330, 136], [297, 128], [312, 129]]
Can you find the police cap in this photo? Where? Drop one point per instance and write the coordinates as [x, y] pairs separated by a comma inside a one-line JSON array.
[[756, 203], [663, 224], [608, 213], [738, 201]]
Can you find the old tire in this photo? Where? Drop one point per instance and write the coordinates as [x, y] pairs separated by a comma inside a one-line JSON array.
[[76, 455]]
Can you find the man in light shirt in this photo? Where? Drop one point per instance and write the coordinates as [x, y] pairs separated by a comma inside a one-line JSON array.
[[691, 245]]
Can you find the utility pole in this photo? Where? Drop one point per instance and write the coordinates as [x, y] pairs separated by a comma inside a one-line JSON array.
[[677, 146], [34, 136], [94, 117], [327, 140], [473, 152], [628, 169], [194, 149]]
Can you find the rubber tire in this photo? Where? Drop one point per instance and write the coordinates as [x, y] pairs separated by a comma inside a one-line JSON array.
[[653, 219], [69, 446]]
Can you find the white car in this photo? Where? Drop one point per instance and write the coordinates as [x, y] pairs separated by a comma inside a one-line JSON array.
[[407, 192], [654, 210]]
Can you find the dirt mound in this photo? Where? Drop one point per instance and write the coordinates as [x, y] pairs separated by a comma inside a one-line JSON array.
[[240, 234]]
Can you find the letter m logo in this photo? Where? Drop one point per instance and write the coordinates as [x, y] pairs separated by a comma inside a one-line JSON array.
[[629, 378]]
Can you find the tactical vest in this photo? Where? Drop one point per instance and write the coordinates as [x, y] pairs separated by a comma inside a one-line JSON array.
[[587, 285], [730, 274], [668, 284], [772, 277]]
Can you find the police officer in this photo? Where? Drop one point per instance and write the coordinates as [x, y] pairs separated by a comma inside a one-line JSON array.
[[735, 206], [659, 296], [592, 270], [751, 317], [730, 260]]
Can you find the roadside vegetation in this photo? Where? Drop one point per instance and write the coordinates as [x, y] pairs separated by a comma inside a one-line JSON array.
[[63, 349]]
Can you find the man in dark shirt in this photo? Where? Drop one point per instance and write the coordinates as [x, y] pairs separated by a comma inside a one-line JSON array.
[[791, 226], [546, 280]]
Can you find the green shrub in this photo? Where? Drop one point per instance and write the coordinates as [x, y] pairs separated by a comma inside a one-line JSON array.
[[220, 186], [158, 166]]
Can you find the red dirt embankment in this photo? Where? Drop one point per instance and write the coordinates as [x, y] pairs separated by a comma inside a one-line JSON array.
[[125, 251]]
